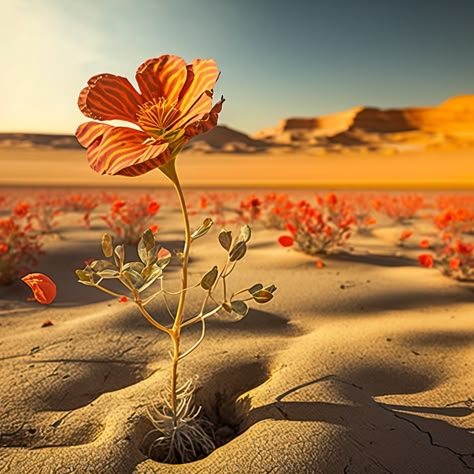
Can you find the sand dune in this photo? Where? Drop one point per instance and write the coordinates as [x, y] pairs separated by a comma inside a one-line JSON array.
[[363, 366], [452, 122]]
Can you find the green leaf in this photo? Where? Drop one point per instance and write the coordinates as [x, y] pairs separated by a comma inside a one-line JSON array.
[[146, 248], [148, 240], [134, 278], [150, 274], [135, 266], [202, 229], [83, 276], [262, 296], [240, 307], [255, 288], [119, 255], [107, 245], [164, 258], [150, 271], [100, 265], [238, 251], [271, 288], [108, 273], [245, 233], [209, 278], [225, 239]]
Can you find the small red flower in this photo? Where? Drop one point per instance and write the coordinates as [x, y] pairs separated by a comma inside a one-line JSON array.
[[117, 205], [3, 248], [123, 299], [406, 234], [154, 228], [203, 203], [424, 243], [426, 260], [331, 199], [46, 323], [153, 208], [286, 240], [319, 263], [44, 289], [291, 228], [21, 209], [463, 248], [370, 221], [454, 263]]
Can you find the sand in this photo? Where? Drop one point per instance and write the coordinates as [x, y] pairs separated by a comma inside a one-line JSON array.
[[312, 168], [362, 366]]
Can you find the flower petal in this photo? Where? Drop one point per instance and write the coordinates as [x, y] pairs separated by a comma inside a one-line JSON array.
[[197, 112], [202, 76], [44, 289], [121, 150], [110, 97], [208, 122], [162, 77]]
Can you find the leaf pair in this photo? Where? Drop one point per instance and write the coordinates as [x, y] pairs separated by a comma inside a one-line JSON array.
[[262, 294], [238, 248]]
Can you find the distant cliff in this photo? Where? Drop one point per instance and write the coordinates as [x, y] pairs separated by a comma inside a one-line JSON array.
[[454, 118]]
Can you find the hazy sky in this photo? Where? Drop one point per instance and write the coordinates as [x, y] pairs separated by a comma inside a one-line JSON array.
[[277, 58]]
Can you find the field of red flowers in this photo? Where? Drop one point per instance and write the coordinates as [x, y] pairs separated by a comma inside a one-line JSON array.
[[433, 229]]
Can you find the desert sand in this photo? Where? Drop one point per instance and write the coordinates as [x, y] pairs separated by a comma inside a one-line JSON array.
[[362, 366], [453, 169]]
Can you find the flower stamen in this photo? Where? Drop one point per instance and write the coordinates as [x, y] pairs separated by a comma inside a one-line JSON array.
[[157, 116]]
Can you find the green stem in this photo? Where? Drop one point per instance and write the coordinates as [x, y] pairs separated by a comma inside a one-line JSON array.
[[170, 171]]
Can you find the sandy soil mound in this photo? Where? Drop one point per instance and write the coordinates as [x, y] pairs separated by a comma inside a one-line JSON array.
[[363, 366]]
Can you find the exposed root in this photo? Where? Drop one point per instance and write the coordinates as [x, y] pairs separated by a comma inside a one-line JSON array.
[[181, 436]]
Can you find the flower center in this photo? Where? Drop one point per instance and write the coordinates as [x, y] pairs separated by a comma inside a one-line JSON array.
[[157, 116]]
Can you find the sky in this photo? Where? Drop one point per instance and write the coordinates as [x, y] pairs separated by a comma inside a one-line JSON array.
[[278, 59]]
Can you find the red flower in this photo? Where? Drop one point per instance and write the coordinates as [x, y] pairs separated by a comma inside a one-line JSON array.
[[203, 203], [319, 263], [3, 248], [44, 289], [425, 244], [286, 240], [426, 260], [153, 208], [21, 209], [405, 234], [454, 263], [117, 205], [463, 248], [154, 228], [123, 299], [331, 199], [173, 106]]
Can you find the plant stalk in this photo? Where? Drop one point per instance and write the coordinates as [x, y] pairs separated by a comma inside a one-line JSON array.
[[170, 171]]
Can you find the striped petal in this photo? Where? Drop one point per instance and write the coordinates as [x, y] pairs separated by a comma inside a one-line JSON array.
[[162, 77], [208, 122], [110, 97], [120, 150], [202, 76]]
